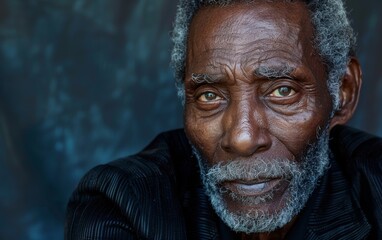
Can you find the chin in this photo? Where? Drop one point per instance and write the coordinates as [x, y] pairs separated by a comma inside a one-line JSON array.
[[254, 214]]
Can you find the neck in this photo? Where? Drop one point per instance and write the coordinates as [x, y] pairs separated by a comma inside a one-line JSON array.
[[275, 235]]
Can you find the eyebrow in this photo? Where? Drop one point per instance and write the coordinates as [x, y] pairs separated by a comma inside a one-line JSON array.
[[199, 78], [274, 72]]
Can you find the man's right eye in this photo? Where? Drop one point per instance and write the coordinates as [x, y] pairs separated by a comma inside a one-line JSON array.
[[209, 97]]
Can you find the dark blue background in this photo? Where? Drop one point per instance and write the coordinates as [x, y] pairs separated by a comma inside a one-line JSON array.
[[83, 82]]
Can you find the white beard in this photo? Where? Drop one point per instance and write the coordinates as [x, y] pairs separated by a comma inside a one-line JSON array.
[[303, 177]]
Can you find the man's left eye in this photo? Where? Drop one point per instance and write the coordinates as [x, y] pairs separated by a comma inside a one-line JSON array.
[[283, 91]]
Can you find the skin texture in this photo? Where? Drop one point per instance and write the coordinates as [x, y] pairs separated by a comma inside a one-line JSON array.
[[256, 88]]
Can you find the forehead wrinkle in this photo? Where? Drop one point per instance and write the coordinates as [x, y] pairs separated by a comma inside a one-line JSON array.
[[255, 52], [266, 46], [271, 57], [231, 34]]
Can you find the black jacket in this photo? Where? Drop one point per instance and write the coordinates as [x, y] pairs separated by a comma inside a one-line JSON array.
[[157, 194]]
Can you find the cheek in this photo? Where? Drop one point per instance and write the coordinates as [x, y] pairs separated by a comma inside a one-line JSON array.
[[202, 132], [297, 132]]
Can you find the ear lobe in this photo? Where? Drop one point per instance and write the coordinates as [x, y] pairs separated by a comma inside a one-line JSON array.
[[349, 93]]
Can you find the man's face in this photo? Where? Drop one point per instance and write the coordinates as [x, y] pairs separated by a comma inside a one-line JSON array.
[[256, 96]]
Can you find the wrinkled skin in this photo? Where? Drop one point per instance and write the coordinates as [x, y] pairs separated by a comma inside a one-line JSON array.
[[237, 111]]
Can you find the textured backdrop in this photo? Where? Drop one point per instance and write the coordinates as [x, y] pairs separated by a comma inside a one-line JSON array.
[[83, 82]]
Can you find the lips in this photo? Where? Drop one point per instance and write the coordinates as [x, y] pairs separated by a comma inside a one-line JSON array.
[[253, 188]]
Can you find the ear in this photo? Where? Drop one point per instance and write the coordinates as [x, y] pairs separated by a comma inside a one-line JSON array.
[[349, 93]]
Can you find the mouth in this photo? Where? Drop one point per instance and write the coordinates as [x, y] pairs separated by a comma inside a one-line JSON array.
[[252, 188]]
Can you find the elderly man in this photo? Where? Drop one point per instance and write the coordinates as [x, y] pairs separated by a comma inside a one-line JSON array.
[[267, 86]]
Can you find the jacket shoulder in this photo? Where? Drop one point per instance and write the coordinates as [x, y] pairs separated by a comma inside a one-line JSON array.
[[359, 155], [131, 197], [356, 150]]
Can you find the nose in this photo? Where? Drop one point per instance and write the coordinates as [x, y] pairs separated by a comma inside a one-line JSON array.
[[245, 131]]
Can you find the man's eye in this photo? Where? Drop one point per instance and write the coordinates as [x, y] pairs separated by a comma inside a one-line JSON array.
[[283, 92], [208, 97]]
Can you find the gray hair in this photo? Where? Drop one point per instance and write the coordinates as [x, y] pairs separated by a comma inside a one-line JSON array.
[[334, 39]]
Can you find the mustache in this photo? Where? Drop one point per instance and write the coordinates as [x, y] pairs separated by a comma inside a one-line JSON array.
[[252, 170]]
